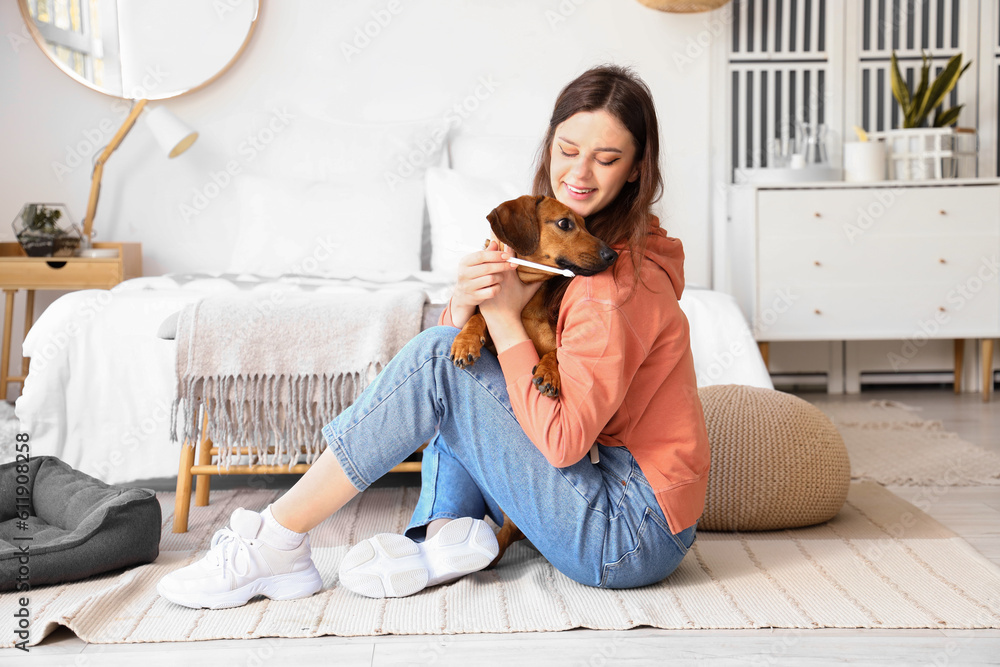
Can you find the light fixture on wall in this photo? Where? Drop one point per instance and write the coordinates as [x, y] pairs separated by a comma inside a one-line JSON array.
[[173, 136], [684, 6]]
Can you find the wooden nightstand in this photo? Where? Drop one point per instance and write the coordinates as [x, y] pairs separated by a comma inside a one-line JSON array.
[[18, 271]]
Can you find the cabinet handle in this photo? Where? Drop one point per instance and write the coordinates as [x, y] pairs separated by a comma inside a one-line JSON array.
[[817, 311], [942, 212], [942, 261], [941, 308], [816, 214], [816, 262]]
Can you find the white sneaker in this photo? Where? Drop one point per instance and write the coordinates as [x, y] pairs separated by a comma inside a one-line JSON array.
[[394, 566], [239, 566]]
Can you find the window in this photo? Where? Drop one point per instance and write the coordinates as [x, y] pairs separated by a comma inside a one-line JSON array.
[[68, 27]]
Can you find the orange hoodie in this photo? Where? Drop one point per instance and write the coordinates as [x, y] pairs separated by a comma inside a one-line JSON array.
[[627, 379]]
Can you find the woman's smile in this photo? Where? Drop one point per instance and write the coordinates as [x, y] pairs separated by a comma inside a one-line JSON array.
[[579, 193]]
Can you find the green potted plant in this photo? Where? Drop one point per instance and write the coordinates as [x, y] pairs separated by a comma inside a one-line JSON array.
[[916, 106], [921, 150], [38, 231]]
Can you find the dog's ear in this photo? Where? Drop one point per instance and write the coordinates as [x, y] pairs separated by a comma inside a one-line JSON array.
[[515, 223]]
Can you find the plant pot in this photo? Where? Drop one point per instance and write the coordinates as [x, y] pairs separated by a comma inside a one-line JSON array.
[[37, 245], [66, 244], [45, 230], [929, 153], [684, 6]]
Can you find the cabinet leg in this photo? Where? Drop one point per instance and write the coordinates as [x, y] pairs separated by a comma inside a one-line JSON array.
[[765, 352], [959, 361], [987, 353]]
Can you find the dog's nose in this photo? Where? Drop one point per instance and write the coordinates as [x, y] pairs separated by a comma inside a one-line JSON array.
[[609, 255]]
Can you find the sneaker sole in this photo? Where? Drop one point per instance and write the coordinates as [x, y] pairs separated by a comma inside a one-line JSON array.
[[390, 565], [291, 586]]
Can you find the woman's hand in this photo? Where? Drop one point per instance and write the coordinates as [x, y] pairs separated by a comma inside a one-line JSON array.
[[502, 311], [504, 308], [487, 280], [479, 276], [477, 281]]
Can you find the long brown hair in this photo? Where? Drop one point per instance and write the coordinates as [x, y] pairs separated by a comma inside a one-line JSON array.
[[618, 91]]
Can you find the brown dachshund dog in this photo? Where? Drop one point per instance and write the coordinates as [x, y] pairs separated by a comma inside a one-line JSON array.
[[545, 231]]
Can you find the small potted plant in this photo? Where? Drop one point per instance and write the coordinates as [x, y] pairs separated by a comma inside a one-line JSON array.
[[917, 151], [917, 106], [38, 231]]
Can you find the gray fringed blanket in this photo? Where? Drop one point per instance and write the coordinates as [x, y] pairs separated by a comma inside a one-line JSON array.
[[273, 369]]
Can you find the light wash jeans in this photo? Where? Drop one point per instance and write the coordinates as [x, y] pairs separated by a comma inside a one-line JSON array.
[[599, 524]]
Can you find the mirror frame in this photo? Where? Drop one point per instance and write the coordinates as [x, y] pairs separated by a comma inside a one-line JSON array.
[[22, 5]]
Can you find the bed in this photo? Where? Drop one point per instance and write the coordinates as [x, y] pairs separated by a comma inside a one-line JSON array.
[[100, 398], [102, 382]]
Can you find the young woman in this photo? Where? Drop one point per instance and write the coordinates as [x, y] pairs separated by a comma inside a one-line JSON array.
[[628, 391]]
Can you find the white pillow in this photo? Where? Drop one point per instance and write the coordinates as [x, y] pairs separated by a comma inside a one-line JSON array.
[[458, 205], [339, 229], [508, 159], [337, 198]]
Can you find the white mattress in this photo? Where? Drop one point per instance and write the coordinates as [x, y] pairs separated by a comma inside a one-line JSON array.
[[101, 382]]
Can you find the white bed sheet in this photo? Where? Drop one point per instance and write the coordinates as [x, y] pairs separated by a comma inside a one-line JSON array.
[[101, 382]]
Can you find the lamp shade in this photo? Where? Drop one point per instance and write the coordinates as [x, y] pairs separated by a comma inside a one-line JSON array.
[[173, 136]]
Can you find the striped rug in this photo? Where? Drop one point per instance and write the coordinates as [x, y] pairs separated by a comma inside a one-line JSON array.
[[880, 563], [889, 442]]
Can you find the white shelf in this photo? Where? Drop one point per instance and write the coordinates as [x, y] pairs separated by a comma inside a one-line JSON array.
[[935, 183]]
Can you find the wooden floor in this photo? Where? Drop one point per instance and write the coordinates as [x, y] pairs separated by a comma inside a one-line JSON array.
[[973, 512]]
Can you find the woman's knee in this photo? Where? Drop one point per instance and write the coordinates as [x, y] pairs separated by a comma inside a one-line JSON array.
[[435, 341], [438, 338]]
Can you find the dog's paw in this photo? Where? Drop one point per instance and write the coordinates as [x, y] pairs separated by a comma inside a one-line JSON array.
[[546, 379], [465, 349]]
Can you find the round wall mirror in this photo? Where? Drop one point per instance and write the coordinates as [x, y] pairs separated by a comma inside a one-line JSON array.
[[151, 49]]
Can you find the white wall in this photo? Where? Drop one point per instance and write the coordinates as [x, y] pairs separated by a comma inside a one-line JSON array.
[[428, 57]]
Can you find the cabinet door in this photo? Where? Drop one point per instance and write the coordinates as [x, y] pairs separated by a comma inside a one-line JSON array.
[[872, 263]]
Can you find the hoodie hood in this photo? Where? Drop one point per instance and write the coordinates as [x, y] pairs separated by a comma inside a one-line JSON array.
[[666, 252]]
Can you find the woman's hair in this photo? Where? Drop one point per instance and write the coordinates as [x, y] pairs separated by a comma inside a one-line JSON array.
[[618, 91]]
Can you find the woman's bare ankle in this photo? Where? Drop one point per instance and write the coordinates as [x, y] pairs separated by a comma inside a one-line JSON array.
[[289, 521]]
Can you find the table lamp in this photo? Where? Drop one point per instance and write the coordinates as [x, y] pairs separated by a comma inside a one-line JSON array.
[[170, 133]]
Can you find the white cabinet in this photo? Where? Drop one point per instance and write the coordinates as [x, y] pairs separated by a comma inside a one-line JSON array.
[[847, 261]]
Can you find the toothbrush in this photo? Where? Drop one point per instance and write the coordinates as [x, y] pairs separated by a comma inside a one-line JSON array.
[[533, 265], [550, 269]]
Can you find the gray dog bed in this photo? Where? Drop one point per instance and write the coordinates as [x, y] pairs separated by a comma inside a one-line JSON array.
[[79, 526]]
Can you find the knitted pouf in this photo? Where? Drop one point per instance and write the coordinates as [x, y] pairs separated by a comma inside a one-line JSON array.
[[777, 461]]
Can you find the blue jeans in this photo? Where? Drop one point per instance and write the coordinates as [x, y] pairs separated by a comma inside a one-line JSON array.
[[598, 524]]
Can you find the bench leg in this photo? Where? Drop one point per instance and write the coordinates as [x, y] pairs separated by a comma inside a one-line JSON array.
[[182, 504], [204, 459]]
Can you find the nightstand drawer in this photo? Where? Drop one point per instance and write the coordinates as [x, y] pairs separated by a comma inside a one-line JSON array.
[[854, 214], [877, 260], [68, 273], [71, 273], [795, 311]]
